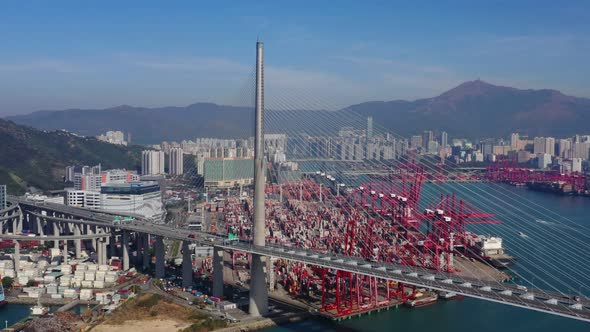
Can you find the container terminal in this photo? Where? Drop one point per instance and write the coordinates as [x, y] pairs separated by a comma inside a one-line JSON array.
[[379, 221]]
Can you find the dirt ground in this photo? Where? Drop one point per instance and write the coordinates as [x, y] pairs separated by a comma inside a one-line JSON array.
[[157, 325]]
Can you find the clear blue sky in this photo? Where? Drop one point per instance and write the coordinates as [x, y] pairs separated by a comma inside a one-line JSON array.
[[95, 54]]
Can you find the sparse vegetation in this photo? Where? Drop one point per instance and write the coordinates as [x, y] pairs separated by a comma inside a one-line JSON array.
[[7, 282], [206, 325], [152, 306]]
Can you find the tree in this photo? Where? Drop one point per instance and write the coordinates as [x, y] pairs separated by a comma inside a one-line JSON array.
[[7, 282], [31, 283]]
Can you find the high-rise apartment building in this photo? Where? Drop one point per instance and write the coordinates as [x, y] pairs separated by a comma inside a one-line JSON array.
[[415, 142], [176, 161], [564, 148], [444, 139], [90, 182], [544, 160], [152, 162], [581, 150], [544, 145], [369, 128], [514, 139], [427, 137]]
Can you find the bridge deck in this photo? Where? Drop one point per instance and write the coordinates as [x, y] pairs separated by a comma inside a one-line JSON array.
[[533, 299]]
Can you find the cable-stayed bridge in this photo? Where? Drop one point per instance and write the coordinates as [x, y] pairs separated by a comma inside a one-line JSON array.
[[385, 229], [535, 299]]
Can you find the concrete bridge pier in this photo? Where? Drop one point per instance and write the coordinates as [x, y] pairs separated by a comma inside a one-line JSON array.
[[187, 265], [16, 258], [77, 242], [90, 231], [125, 247], [29, 225], [217, 272], [99, 253], [113, 243], [65, 254], [105, 254], [17, 226], [146, 251], [138, 240], [160, 257], [40, 228], [270, 275], [55, 233]]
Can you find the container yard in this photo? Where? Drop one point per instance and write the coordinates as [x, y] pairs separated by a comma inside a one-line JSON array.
[[43, 275], [379, 221], [564, 183]]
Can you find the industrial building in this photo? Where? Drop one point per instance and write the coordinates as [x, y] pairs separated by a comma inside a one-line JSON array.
[[143, 198], [228, 172]]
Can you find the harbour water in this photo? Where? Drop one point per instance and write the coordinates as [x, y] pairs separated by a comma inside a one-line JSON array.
[[12, 313], [559, 239]]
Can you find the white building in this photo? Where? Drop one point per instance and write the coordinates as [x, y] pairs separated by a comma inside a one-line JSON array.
[[581, 150], [113, 137], [152, 162], [119, 176], [577, 165], [544, 145], [75, 198], [514, 139], [143, 198], [93, 200], [544, 160], [176, 161], [88, 182], [478, 156], [45, 199]]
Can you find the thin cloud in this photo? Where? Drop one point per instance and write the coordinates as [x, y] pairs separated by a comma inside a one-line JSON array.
[[43, 65], [193, 64], [384, 63], [534, 45]]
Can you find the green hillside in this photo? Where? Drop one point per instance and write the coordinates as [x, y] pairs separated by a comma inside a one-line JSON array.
[[35, 158]]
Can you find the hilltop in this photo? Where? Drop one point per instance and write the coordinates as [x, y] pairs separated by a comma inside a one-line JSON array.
[[36, 158]]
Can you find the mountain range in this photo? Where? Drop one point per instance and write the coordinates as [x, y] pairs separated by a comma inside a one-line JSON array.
[[36, 159], [474, 109]]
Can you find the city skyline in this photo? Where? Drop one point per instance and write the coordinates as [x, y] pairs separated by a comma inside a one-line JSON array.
[[353, 53]]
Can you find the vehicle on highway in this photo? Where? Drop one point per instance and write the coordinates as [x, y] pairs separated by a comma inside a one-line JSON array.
[[117, 220], [231, 239]]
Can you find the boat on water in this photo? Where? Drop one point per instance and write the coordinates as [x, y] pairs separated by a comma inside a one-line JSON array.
[[421, 300], [38, 309], [450, 295], [521, 234], [2, 296], [490, 249]]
